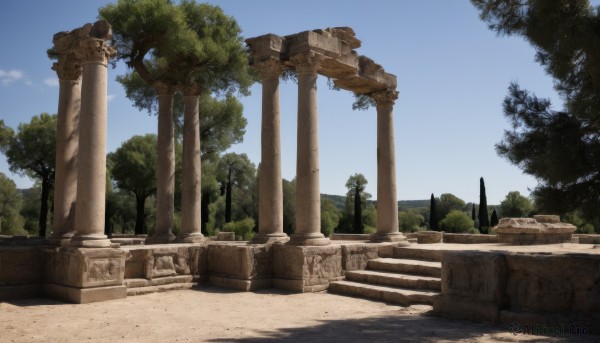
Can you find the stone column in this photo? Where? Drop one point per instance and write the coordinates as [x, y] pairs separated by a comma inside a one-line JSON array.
[[191, 185], [270, 199], [308, 201], [387, 202], [67, 144], [91, 178], [165, 169]]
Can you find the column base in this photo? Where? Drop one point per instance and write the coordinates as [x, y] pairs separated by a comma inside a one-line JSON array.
[[160, 238], [90, 241], [84, 295], [389, 237], [60, 239], [189, 238], [267, 238], [309, 239]]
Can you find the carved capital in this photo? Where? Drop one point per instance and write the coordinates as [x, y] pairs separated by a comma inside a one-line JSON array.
[[307, 62], [163, 88], [385, 98], [95, 50], [269, 69], [67, 70]]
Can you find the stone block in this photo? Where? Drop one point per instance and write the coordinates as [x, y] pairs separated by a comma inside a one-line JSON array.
[[85, 295], [265, 47], [466, 238], [84, 267], [240, 266], [20, 265], [427, 237], [226, 236], [356, 256], [156, 261], [306, 268]]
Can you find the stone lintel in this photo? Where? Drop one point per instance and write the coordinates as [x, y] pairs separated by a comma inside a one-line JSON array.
[[265, 47], [370, 77]]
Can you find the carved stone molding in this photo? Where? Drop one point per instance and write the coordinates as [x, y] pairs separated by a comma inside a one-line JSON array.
[[94, 50], [307, 63], [269, 69], [67, 70], [385, 97]]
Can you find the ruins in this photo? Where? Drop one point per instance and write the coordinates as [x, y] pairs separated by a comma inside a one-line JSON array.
[[476, 277]]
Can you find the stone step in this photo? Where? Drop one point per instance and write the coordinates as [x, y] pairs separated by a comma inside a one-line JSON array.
[[418, 254], [395, 279], [135, 283], [160, 288], [398, 265], [400, 296]]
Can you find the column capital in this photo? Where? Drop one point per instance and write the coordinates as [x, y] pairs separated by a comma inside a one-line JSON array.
[[191, 90], [385, 97], [67, 70], [163, 88], [269, 69], [307, 62], [95, 50]]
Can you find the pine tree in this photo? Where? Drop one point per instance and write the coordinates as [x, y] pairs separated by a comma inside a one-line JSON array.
[[433, 222], [484, 221], [494, 219]]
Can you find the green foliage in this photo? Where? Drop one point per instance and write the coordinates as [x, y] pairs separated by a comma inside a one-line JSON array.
[[410, 221], [576, 219], [11, 222], [289, 206], [356, 195], [483, 217], [494, 219], [330, 216], [456, 222], [515, 205], [369, 230], [433, 215], [31, 151], [243, 229], [560, 148], [448, 203], [234, 170], [133, 167]]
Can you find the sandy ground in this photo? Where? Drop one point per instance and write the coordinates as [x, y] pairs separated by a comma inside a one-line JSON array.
[[210, 314]]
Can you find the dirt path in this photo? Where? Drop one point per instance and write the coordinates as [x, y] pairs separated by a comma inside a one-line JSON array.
[[215, 315]]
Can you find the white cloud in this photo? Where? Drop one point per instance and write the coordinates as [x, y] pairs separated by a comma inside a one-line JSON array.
[[51, 82], [8, 76], [110, 97]]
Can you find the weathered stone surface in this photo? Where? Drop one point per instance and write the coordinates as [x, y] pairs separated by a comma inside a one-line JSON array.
[[426, 237], [85, 295], [466, 238], [20, 266], [156, 261], [542, 229], [240, 266], [226, 236], [306, 268], [356, 256]]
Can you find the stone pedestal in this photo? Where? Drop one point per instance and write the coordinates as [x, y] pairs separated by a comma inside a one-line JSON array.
[[165, 169], [246, 267], [308, 196], [67, 145], [191, 186], [541, 229], [387, 202], [270, 225], [83, 275], [306, 268]]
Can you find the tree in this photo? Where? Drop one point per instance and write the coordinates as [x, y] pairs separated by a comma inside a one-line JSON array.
[[31, 151], [561, 149], [515, 205], [456, 221], [473, 213], [433, 217], [410, 221], [330, 216], [494, 219], [447, 203], [133, 167], [10, 204], [234, 170], [356, 185], [289, 206], [484, 221]]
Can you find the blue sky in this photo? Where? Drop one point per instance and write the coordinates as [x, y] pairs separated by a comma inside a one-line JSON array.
[[453, 74]]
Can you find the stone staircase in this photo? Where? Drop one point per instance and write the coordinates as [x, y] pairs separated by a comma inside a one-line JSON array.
[[412, 276]]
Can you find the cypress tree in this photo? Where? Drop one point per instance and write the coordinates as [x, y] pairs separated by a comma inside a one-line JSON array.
[[484, 221], [433, 222], [494, 219], [473, 216]]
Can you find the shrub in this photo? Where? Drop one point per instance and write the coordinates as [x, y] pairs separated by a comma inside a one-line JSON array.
[[242, 228], [457, 222], [369, 230]]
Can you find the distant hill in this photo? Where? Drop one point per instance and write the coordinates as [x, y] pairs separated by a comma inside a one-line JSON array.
[[340, 202]]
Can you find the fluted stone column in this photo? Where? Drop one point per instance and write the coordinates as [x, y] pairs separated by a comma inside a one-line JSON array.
[[67, 144], [191, 185], [91, 178], [308, 201], [165, 171], [387, 202], [270, 210]]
